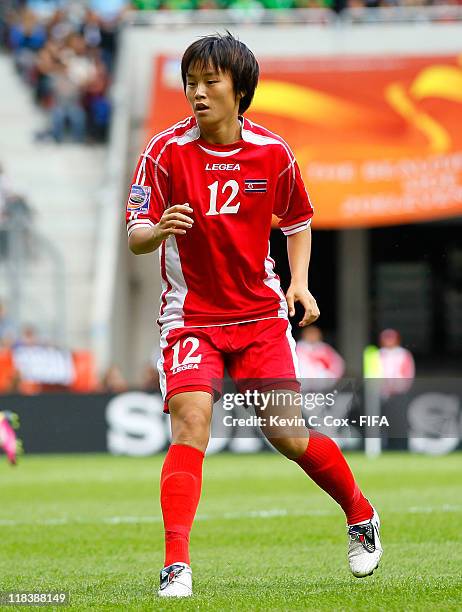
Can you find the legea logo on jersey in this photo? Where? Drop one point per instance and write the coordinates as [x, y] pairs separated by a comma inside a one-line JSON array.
[[255, 185], [222, 167], [138, 200]]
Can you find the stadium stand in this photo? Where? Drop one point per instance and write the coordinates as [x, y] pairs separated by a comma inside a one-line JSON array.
[[62, 185], [66, 55]]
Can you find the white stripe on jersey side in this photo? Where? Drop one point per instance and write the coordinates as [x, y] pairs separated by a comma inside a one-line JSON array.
[[162, 279], [174, 299], [152, 142], [160, 366], [272, 282], [221, 153], [292, 345]]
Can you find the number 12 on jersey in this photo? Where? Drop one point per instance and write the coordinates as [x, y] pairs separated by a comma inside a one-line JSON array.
[[226, 208]]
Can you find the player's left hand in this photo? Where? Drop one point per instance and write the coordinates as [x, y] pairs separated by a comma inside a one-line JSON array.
[[302, 295]]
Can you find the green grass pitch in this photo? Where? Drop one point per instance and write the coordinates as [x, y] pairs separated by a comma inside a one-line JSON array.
[[265, 537]]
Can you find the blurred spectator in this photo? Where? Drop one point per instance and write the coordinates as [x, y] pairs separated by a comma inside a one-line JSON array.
[[40, 366], [6, 191], [396, 362], [96, 102], [15, 215], [320, 365], [7, 328], [150, 379], [59, 27], [113, 381], [92, 30], [20, 243], [27, 36], [46, 60], [71, 74]]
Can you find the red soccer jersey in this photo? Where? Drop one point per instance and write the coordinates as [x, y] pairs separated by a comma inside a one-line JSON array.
[[219, 272]]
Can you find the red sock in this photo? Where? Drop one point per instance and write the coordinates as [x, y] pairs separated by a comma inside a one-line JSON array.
[[180, 490], [324, 463]]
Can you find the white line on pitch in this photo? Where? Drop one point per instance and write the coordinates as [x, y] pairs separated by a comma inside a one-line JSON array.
[[262, 514]]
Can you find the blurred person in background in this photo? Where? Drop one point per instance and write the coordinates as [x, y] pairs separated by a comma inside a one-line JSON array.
[[150, 379], [15, 215], [26, 37], [91, 30], [72, 72], [40, 366], [96, 101], [396, 363], [113, 380], [6, 192], [320, 365], [59, 26], [150, 376], [110, 14], [46, 62]]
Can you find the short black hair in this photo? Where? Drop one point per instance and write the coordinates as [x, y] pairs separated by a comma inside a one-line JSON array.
[[226, 54]]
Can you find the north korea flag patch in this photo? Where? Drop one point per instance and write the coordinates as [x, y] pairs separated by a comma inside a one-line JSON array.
[[255, 185]]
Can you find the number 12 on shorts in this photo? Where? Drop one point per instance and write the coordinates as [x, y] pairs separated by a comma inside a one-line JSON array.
[[190, 360]]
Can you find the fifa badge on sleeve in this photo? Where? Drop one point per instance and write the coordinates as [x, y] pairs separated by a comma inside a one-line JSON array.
[[138, 200]]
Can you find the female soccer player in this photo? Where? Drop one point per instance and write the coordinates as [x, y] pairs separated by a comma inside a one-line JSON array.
[[204, 192]]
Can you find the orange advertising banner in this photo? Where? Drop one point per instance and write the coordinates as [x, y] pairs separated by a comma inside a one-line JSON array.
[[378, 139]]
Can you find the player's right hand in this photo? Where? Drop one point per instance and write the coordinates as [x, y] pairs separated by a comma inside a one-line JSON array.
[[175, 220]]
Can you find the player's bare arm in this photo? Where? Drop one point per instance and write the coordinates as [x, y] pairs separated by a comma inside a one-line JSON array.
[[175, 220], [299, 251]]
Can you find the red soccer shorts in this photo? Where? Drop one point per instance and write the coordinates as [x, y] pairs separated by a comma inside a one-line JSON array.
[[257, 355]]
